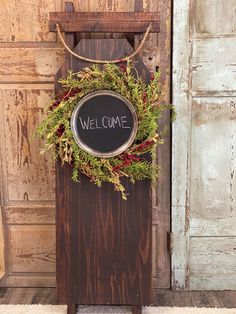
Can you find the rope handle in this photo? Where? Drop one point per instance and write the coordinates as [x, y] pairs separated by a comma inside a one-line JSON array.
[[104, 61]]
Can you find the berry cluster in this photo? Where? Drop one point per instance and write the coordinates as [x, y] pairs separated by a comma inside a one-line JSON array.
[[123, 67], [144, 97], [65, 96], [60, 130], [144, 146], [127, 160], [152, 76]]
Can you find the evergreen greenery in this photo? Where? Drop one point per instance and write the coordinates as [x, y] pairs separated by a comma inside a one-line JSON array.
[[56, 132]]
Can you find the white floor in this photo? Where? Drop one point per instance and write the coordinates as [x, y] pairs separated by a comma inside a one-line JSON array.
[[61, 309]]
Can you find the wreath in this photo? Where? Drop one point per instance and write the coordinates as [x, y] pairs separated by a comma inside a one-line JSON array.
[[56, 131]]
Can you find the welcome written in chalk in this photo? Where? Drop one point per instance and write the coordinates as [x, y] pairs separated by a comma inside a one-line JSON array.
[[104, 123]]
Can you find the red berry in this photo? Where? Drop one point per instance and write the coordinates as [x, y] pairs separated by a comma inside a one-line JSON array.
[[152, 76], [60, 130]]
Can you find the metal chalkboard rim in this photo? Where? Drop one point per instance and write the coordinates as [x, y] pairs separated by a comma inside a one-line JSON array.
[[90, 150]]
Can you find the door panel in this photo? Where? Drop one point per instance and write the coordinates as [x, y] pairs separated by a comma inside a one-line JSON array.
[[204, 146], [30, 57]]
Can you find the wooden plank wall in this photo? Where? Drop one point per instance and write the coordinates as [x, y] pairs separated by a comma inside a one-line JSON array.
[[204, 145], [30, 57]]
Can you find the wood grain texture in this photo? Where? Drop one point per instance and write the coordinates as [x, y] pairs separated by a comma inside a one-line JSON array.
[[159, 45], [181, 153], [72, 309], [213, 138], [29, 59], [107, 5], [27, 295], [163, 190], [204, 147], [114, 245], [29, 215], [2, 247], [214, 67], [62, 200], [161, 214], [22, 20], [22, 111], [104, 22], [30, 64], [24, 280], [88, 48], [108, 238], [32, 249], [213, 17], [213, 263], [162, 297]]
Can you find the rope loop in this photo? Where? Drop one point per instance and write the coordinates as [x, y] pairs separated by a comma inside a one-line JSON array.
[[125, 59]]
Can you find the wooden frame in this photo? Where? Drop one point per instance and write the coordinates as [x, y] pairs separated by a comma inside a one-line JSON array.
[[90, 22], [162, 60], [130, 225]]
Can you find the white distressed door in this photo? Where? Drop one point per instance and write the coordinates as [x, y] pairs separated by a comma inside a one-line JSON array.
[[204, 145]]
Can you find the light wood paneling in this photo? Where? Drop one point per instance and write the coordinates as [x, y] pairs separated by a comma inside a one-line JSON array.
[[107, 5], [30, 214], [214, 17], [22, 110], [213, 263], [29, 281], [26, 20], [32, 249], [30, 57], [29, 64], [2, 255], [214, 66]]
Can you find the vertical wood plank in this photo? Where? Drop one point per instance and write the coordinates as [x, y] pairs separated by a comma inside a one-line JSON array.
[[213, 17], [181, 143], [62, 193], [109, 239], [2, 261], [164, 151], [158, 56], [22, 111]]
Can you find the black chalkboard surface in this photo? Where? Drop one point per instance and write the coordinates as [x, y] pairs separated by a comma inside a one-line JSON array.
[[104, 123]]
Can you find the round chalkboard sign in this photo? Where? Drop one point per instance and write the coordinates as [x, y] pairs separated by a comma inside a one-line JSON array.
[[104, 123]]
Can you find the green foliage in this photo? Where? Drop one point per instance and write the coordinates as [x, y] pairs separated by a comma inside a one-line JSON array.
[[56, 132]]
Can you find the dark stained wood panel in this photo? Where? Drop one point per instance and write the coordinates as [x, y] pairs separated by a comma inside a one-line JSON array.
[[156, 54], [104, 244], [62, 186], [107, 22], [162, 202], [110, 261]]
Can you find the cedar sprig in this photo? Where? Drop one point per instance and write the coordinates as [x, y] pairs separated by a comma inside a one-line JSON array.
[[146, 99]]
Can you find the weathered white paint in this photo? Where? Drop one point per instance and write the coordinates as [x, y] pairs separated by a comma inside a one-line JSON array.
[[213, 165], [213, 17], [204, 145], [212, 263], [214, 66], [181, 145]]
